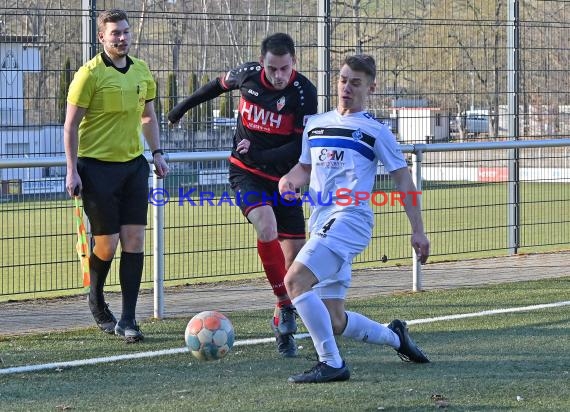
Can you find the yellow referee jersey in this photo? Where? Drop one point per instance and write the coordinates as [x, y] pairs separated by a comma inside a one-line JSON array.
[[111, 129]]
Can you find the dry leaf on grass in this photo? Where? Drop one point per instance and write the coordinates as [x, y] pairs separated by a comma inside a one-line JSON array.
[[440, 400]]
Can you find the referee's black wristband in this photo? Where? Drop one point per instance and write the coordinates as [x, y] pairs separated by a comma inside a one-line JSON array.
[[157, 151]]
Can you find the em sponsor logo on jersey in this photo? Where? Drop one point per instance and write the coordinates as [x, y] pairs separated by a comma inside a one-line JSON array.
[[331, 159]]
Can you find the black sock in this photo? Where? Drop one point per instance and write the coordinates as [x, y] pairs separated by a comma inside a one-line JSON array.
[[98, 271], [130, 275]]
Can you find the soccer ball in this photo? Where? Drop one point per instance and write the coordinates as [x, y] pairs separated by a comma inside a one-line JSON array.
[[209, 335]]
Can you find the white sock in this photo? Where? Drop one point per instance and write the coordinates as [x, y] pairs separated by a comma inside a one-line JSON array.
[[316, 318], [359, 327]]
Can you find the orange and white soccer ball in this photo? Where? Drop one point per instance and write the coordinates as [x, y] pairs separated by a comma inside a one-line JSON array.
[[209, 335]]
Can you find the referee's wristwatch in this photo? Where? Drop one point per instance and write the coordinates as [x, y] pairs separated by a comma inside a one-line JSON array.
[[157, 151]]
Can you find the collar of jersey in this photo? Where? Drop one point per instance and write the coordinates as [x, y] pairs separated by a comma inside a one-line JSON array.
[[349, 114], [109, 63]]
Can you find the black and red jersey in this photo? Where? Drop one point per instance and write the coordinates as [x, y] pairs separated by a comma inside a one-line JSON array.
[[272, 120]]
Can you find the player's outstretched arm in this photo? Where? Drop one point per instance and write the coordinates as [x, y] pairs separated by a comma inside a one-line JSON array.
[[207, 92]]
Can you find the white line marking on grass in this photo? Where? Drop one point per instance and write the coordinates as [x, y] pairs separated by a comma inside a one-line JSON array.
[[489, 312], [92, 361], [248, 342]]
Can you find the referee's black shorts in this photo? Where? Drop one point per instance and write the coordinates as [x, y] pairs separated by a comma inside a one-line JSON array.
[[114, 193], [252, 191]]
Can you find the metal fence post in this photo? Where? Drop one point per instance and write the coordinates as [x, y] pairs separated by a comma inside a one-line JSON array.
[[158, 251], [89, 29], [417, 156], [513, 80], [324, 58]]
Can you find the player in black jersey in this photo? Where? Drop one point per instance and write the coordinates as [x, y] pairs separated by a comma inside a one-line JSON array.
[[275, 101]]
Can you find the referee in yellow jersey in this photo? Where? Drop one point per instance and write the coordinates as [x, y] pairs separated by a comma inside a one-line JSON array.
[[109, 104]]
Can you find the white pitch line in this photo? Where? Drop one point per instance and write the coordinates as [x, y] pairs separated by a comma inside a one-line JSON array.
[[92, 361], [246, 342], [489, 312]]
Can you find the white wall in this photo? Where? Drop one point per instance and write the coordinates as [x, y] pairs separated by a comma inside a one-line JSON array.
[[29, 142], [414, 124], [14, 61]]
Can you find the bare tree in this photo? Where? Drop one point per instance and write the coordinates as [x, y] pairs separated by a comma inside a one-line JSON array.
[[206, 34], [177, 29], [233, 39], [37, 24], [267, 10], [140, 28]]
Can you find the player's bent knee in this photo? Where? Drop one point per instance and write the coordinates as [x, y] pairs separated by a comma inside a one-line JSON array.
[[298, 281], [104, 254], [267, 233], [338, 328], [291, 286], [338, 321]]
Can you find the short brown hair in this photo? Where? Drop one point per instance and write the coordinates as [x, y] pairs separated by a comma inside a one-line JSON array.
[[362, 63], [112, 16], [278, 44]]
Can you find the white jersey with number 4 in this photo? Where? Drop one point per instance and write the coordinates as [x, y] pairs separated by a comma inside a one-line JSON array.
[[343, 152]]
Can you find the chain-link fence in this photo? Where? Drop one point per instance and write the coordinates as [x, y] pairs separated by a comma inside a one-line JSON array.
[[447, 57], [444, 76]]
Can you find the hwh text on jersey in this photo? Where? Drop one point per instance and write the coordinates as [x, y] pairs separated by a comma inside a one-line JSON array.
[[258, 118]]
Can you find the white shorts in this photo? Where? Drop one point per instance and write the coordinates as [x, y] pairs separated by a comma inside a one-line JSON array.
[[330, 251]]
